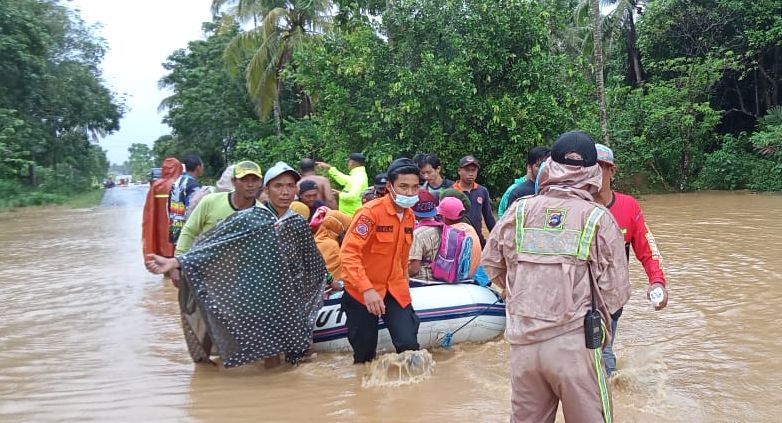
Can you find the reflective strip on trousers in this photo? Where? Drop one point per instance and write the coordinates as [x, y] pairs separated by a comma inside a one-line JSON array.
[[605, 397]]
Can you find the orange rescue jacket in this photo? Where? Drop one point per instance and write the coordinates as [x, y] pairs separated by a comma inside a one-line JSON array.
[[375, 251]]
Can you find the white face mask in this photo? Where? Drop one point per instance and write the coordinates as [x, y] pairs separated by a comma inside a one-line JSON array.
[[404, 201]]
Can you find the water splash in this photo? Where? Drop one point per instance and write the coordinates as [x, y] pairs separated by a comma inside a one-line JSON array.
[[391, 370]]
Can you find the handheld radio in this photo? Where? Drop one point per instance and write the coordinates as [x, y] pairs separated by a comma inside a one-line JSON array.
[[593, 321]]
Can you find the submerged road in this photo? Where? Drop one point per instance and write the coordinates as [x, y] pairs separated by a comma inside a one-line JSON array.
[[86, 334]]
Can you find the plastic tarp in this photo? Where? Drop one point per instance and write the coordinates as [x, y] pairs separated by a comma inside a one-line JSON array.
[[252, 287]]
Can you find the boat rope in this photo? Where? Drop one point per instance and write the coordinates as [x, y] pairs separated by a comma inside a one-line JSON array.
[[447, 339]]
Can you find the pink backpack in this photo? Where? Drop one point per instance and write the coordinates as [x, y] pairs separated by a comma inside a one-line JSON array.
[[453, 256]]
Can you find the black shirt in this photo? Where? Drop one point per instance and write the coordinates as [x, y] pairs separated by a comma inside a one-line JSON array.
[[523, 190]]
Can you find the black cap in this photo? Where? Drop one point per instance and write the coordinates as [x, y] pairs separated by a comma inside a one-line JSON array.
[[468, 160], [307, 185], [380, 180], [306, 165], [401, 163], [574, 142], [357, 157]]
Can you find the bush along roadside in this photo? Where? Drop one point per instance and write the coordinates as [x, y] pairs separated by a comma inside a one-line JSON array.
[[15, 195]]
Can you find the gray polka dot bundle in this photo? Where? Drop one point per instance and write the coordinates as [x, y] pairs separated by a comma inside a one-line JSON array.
[[252, 288]]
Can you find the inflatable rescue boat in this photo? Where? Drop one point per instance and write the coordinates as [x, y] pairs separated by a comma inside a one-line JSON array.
[[442, 308]]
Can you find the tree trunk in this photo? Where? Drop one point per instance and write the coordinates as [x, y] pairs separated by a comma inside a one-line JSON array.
[[633, 55], [598, 53], [277, 110]]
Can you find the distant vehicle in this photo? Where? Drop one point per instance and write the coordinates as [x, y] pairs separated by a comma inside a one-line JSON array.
[[124, 180], [108, 183], [155, 173]]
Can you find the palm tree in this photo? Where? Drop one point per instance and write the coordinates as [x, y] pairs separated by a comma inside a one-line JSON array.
[[622, 18], [619, 18], [284, 26], [598, 57]]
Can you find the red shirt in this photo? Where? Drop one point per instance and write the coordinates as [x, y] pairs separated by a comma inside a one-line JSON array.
[[627, 213]]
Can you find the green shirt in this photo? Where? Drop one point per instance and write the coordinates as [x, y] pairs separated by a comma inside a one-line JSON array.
[[352, 187], [211, 210]]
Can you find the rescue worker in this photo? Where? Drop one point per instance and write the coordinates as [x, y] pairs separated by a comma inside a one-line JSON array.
[[628, 215], [353, 185], [154, 226], [560, 257], [374, 266]]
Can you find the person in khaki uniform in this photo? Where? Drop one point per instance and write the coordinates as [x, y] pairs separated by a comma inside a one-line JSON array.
[[558, 255]]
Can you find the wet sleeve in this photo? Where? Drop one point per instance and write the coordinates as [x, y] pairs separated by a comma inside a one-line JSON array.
[[488, 214], [339, 177], [493, 255], [358, 235], [609, 264], [192, 228], [645, 247]]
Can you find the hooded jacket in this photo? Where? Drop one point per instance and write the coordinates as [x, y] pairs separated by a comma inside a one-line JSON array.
[[327, 239], [154, 226], [541, 251]]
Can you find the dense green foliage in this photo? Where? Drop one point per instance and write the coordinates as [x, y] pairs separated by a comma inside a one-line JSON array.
[[688, 85], [459, 78], [53, 104], [692, 87]]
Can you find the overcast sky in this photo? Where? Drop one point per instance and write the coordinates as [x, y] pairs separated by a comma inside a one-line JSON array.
[[140, 35]]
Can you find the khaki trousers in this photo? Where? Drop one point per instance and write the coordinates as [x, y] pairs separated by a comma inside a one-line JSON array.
[[559, 369]]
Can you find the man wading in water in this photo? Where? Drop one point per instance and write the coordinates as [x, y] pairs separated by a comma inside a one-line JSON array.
[[214, 208], [374, 265], [259, 278], [630, 219], [561, 258]]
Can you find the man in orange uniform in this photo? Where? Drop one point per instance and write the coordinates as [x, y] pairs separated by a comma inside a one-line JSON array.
[[374, 266], [154, 226]]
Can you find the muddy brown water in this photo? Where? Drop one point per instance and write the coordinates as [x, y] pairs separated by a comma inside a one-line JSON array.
[[87, 335]]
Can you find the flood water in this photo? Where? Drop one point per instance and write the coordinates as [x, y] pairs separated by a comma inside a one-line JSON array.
[[86, 334]]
